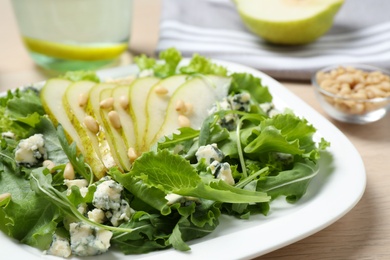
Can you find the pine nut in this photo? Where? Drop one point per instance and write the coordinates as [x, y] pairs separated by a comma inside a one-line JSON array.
[[189, 108], [160, 90], [5, 196], [115, 121], [180, 106], [49, 165], [107, 103], [124, 102], [91, 124], [83, 99], [69, 172], [184, 121], [132, 154]]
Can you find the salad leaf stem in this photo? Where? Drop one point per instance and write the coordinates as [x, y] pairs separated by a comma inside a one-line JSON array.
[[250, 178], [6, 156], [239, 150]]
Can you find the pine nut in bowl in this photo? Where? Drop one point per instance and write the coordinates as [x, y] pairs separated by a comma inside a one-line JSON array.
[[353, 93]]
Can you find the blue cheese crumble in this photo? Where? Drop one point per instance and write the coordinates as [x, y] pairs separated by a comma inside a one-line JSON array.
[[60, 246], [209, 153], [31, 151], [107, 197], [213, 157], [222, 170], [269, 109], [238, 102], [86, 240]]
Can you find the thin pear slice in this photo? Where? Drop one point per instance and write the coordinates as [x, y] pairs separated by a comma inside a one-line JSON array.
[[73, 100], [138, 93], [113, 128], [121, 105], [51, 96], [93, 109], [157, 103], [202, 93]]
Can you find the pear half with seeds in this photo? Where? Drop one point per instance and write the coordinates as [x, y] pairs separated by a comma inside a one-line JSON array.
[[288, 22]]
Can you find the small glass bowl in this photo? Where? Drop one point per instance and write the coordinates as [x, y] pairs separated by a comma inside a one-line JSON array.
[[367, 100]]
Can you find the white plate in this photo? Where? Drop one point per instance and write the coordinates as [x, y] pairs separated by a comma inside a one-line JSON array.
[[340, 183]]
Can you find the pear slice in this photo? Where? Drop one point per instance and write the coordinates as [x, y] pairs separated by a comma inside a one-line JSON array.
[[93, 109], [73, 100], [138, 93], [157, 103], [113, 128], [51, 96], [288, 21], [211, 89], [121, 105]]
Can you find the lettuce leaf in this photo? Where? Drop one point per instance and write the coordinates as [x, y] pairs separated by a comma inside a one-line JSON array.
[[173, 174], [81, 75], [27, 217]]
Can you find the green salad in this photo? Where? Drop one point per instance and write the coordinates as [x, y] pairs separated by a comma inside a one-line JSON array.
[[147, 162]]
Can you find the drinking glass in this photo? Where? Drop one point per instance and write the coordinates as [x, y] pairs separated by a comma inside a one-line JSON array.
[[64, 35]]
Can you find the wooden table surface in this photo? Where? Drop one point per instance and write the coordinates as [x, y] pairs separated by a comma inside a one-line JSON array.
[[363, 233]]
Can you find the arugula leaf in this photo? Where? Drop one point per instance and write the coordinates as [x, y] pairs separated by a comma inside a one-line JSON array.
[[290, 183], [77, 161], [55, 151]]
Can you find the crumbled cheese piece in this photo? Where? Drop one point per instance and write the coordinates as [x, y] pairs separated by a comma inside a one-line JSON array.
[[86, 240], [97, 215], [31, 150], [59, 247], [81, 183], [173, 198], [241, 102], [222, 171], [8, 134], [108, 195], [210, 153], [118, 216], [269, 109], [82, 208]]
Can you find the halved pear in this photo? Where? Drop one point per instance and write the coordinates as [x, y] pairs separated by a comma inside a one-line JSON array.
[[288, 21], [76, 113], [121, 105], [211, 89], [138, 93], [113, 128], [93, 109], [51, 96], [157, 104]]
